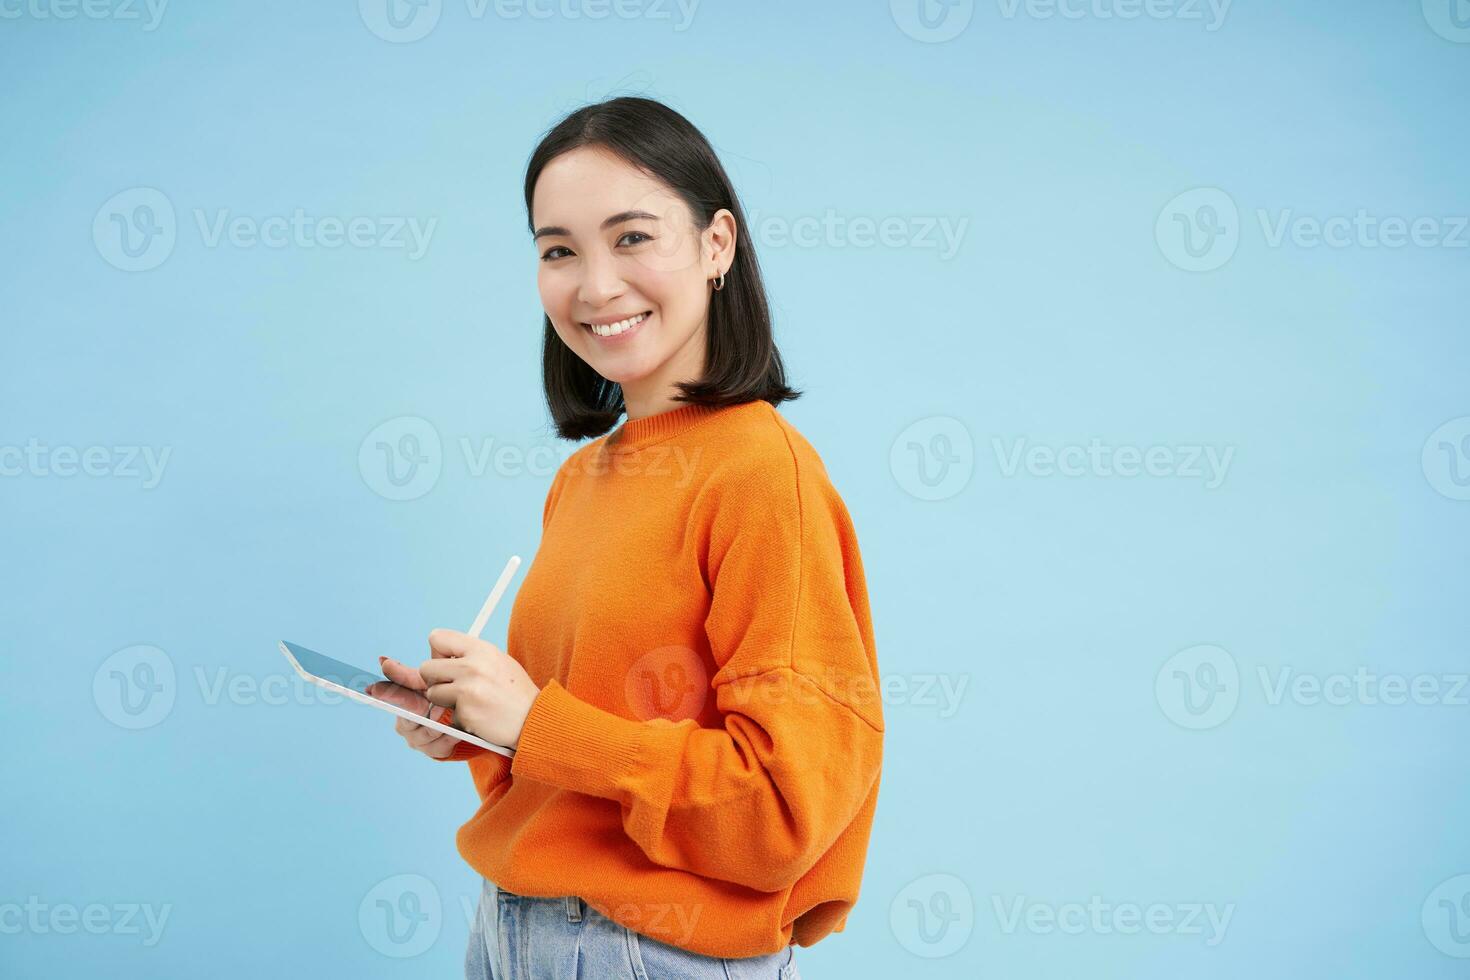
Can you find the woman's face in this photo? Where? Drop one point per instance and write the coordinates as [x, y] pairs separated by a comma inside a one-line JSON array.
[[613, 244]]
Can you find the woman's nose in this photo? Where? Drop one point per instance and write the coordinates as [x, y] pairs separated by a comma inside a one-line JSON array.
[[600, 283]]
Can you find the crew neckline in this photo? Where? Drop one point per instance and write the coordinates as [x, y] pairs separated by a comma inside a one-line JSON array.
[[636, 434]]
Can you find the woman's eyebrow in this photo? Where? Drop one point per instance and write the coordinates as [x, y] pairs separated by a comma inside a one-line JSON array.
[[616, 219]]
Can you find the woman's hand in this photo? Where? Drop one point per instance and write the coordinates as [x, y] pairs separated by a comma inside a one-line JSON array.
[[490, 691], [435, 745]]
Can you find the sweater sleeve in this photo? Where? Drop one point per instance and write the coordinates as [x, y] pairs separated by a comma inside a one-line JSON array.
[[758, 800]]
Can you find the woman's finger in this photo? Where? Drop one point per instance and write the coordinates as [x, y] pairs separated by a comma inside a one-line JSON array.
[[441, 746], [400, 673], [450, 643]]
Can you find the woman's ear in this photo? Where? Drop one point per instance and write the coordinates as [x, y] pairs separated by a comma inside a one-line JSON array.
[[719, 243]]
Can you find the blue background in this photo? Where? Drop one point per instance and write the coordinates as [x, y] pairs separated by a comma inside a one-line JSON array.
[[265, 821]]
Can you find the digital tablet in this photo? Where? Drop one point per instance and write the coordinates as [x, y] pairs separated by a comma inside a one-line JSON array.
[[376, 690]]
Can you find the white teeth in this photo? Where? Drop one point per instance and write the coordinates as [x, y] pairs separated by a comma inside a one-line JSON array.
[[619, 327]]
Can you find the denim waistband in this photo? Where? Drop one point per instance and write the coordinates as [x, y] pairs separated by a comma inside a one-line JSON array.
[[575, 907]]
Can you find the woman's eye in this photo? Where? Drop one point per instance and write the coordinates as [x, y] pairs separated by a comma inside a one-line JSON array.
[[550, 253]]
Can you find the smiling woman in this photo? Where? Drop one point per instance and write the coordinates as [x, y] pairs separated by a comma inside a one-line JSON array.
[[691, 687]]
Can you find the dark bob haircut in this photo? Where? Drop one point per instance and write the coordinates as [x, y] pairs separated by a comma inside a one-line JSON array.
[[741, 360]]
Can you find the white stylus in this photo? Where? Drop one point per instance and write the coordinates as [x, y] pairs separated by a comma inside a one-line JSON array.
[[494, 597]]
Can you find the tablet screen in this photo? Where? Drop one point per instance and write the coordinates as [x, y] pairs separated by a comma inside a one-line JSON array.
[[366, 682]]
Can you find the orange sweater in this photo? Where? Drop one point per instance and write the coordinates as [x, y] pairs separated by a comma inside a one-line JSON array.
[[702, 763]]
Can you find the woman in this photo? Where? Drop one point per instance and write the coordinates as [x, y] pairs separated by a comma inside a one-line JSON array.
[[690, 680]]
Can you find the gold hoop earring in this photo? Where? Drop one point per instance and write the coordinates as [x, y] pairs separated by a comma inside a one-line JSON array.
[[719, 283]]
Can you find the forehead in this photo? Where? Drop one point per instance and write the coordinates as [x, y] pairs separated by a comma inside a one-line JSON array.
[[579, 188]]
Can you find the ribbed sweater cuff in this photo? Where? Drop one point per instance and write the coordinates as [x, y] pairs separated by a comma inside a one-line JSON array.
[[578, 746]]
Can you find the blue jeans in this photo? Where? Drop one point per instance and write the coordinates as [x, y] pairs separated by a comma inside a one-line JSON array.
[[516, 937]]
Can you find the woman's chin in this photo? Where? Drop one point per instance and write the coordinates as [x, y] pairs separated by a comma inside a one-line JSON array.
[[623, 374]]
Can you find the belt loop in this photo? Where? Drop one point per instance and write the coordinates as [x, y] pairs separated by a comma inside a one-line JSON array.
[[574, 909]]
